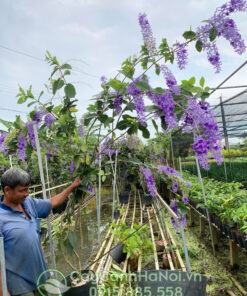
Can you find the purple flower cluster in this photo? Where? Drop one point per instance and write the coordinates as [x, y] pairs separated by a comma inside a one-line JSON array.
[[30, 132], [168, 171], [106, 148], [181, 216], [170, 79], [166, 105], [90, 189], [49, 119], [181, 54], [225, 27], [147, 34], [103, 80], [199, 117], [72, 167], [117, 104], [137, 95], [80, 131], [151, 186], [3, 148], [21, 145]]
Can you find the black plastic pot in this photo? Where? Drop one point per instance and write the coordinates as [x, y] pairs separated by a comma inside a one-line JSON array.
[[226, 230], [88, 289], [170, 281], [127, 188], [116, 214], [147, 199], [117, 253], [124, 197]]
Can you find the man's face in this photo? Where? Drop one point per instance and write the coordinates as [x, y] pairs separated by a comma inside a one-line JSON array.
[[17, 194]]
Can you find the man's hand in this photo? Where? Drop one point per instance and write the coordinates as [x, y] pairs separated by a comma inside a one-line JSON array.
[[76, 183]]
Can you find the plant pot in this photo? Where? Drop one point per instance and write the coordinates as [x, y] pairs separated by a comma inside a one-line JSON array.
[[170, 282], [124, 197], [87, 289], [117, 253], [147, 199], [116, 214]]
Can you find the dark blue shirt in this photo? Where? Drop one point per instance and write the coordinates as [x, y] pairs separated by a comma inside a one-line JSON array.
[[23, 253]]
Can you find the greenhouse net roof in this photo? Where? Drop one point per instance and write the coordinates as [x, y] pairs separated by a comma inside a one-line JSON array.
[[234, 112]]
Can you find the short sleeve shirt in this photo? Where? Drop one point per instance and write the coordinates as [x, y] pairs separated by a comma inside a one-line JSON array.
[[24, 257]]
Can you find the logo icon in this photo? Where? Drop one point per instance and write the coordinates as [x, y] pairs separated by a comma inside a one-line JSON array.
[[53, 282]]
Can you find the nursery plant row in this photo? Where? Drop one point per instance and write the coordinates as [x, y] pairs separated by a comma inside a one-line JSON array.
[[227, 205]]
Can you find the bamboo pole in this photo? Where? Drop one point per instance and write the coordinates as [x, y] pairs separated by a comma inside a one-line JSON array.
[[41, 171], [156, 261]]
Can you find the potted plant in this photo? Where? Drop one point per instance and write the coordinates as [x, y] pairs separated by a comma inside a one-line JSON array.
[[136, 242]]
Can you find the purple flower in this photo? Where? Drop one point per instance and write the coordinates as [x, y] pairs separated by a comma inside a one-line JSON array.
[[137, 95], [72, 167], [185, 200], [90, 189], [149, 181], [49, 119], [80, 131], [21, 145], [214, 56], [175, 186], [3, 148], [117, 104], [106, 148], [174, 206], [183, 219], [38, 116], [181, 54], [168, 171], [147, 34], [103, 80], [30, 132]]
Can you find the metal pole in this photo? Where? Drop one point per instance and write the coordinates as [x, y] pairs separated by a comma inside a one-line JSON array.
[[180, 165], [173, 163], [99, 196], [225, 169], [10, 161], [51, 244], [205, 201], [47, 175], [187, 259], [224, 124], [3, 268]]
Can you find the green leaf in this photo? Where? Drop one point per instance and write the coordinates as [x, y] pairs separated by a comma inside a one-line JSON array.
[[72, 239], [145, 132], [212, 34], [70, 91], [66, 66], [122, 125], [159, 90], [142, 85], [188, 35], [157, 69], [6, 123], [202, 81], [66, 72], [103, 117], [128, 69], [155, 125], [30, 104], [132, 130], [116, 84], [199, 45], [57, 84]]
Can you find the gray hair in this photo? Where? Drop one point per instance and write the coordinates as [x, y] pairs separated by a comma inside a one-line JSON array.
[[14, 177]]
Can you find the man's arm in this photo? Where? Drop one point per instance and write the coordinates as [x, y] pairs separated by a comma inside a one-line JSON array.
[[1, 288], [58, 199]]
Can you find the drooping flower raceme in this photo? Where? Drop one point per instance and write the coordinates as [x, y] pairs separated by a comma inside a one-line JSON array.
[[117, 103], [21, 145], [199, 117], [181, 52], [147, 34], [30, 132], [170, 79], [137, 95], [150, 182], [3, 148], [49, 119], [224, 26], [72, 167]]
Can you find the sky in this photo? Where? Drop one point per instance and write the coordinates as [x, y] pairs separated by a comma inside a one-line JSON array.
[[95, 36]]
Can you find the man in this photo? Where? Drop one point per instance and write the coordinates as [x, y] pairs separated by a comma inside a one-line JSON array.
[[19, 226]]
